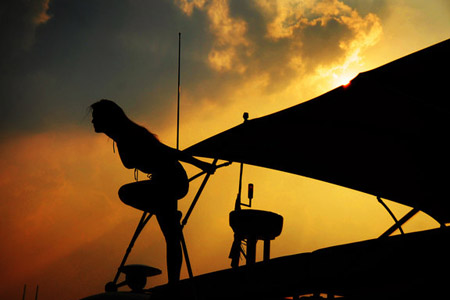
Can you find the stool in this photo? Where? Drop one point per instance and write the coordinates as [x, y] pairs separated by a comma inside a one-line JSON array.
[[135, 277], [253, 225]]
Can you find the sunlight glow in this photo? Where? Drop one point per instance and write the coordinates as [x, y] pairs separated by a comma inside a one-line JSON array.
[[343, 79]]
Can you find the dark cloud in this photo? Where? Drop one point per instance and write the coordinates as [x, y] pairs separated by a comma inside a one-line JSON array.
[[57, 59], [126, 50], [321, 43], [18, 22]]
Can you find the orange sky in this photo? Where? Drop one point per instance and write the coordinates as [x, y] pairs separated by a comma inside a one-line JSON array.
[[63, 226]]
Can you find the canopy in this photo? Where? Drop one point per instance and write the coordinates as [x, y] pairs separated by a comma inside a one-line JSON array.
[[384, 134]]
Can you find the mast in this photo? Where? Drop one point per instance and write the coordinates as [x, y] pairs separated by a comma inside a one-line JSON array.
[[179, 91]]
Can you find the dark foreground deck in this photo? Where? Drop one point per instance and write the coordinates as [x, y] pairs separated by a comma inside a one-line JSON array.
[[398, 267]]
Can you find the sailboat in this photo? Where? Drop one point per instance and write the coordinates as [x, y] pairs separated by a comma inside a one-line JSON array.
[[385, 134]]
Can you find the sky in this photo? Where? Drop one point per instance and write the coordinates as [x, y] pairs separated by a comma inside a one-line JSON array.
[[64, 228]]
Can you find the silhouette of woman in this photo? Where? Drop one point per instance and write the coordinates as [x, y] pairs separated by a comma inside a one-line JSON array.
[[140, 149]]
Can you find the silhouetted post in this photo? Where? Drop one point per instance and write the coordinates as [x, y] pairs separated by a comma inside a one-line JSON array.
[[266, 252], [237, 205], [24, 291], [250, 194], [186, 217], [251, 250], [37, 292]]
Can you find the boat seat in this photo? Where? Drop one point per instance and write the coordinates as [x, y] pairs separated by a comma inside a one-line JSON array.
[[136, 275], [253, 225], [259, 224]]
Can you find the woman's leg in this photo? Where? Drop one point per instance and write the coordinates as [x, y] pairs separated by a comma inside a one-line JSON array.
[[169, 221], [156, 198], [150, 195], [142, 195]]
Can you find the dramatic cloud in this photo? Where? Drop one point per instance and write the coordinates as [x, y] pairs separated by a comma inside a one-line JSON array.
[[78, 51], [59, 181], [301, 37], [229, 33]]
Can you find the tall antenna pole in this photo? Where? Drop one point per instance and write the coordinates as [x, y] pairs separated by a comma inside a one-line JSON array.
[[178, 98]]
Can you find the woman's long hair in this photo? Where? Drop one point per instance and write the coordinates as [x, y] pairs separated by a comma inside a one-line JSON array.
[[115, 119]]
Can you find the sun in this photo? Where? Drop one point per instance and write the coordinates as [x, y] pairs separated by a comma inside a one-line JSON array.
[[343, 79]]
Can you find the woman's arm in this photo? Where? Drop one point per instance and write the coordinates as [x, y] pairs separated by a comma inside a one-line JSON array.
[[182, 156], [207, 167]]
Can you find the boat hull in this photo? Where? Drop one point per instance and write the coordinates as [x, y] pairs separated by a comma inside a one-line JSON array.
[[410, 265]]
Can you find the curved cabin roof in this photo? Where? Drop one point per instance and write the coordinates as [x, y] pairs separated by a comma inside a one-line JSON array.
[[386, 134]]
